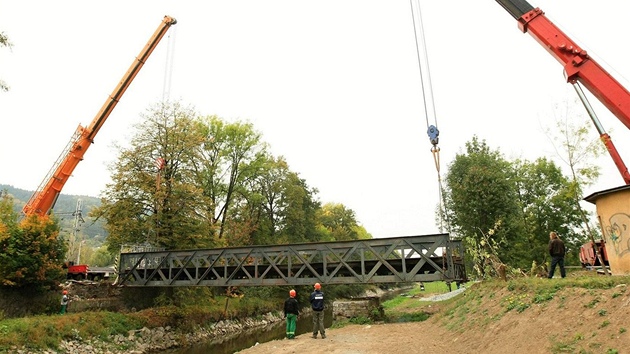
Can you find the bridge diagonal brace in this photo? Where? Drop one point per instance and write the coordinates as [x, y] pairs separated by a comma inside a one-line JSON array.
[[306, 265], [211, 268], [425, 258], [157, 269], [183, 269], [273, 264], [238, 267], [343, 262], [382, 261]]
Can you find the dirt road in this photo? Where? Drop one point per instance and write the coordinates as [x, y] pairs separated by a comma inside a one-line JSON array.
[[575, 320], [399, 338]]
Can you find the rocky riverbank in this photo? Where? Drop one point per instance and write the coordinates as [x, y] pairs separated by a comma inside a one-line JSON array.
[[156, 340]]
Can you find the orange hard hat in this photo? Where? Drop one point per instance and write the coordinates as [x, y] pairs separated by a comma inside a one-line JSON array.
[[292, 293], [65, 292], [318, 286]]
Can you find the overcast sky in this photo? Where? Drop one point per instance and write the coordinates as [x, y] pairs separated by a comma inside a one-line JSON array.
[[333, 86]]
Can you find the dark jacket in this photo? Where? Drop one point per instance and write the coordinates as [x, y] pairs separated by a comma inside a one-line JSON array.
[[556, 248], [317, 300], [291, 306]]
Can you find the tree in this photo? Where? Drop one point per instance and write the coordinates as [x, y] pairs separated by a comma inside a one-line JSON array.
[[577, 151], [547, 202], [154, 196], [340, 222], [479, 197], [231, 156], [31, 253]]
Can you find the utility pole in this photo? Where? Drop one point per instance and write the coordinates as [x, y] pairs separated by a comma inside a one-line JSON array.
[[78, 220]]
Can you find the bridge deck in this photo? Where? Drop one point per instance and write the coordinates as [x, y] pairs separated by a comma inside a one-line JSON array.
[[387, 260]]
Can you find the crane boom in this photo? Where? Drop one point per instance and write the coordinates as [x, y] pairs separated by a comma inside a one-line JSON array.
[[579, 67], [44, 198]]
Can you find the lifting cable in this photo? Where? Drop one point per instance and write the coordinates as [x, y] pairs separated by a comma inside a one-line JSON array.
[[168, 65], [429, 105]]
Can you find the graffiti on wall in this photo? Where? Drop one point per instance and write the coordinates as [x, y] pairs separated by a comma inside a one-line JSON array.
[[617, 233]]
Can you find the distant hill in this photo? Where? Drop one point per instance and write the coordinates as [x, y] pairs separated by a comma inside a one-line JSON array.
[[65, 208]]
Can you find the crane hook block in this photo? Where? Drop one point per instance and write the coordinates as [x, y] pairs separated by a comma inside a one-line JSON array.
[[434, 134]]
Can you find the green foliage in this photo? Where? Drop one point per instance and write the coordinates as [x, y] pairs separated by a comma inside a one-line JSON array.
[[360, 320], [47, 331], [411, 317], [340, 222], [31, 254], [504, 210], [218, 187]]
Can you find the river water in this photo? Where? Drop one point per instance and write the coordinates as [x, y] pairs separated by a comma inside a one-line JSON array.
[[240, 341]]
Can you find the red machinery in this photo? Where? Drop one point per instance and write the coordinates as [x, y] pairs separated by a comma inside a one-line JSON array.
[[44, 198], [579, 67]]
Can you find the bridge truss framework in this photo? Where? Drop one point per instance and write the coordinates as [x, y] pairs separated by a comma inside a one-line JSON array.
[[422, 258]]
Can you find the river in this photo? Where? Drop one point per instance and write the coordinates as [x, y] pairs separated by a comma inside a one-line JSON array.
[[240, 341]]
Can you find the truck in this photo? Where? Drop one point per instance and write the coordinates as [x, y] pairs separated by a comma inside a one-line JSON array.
[[580, 68], [83, 272]]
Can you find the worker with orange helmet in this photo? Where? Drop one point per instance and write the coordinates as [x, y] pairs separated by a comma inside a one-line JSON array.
[[317, 304], [64, 302], [291, 312]]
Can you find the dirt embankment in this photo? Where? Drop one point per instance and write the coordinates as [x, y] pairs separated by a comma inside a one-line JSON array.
[[572, 320]]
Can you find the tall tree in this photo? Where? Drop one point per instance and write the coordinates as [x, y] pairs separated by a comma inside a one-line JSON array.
[[578, 150], [231, 156], [547, 202], [480, 199], [153, 196], [340, 222]]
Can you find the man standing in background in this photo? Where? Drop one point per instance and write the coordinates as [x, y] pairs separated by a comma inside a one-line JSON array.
[[556, 251], [64, 302]]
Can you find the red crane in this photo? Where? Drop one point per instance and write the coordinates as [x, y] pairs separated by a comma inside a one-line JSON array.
[[579, 67], [44, 198]]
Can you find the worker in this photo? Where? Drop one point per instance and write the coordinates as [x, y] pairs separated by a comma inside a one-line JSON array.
[[64, 302], [317, 304], [291, 312], [557, 252]]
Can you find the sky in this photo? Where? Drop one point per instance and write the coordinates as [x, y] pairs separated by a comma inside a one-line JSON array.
[[333, 86]]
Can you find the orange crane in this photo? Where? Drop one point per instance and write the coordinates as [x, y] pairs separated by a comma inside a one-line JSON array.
[[44, 198]]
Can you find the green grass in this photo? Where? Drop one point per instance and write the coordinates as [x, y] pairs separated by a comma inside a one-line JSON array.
[[47, 331]]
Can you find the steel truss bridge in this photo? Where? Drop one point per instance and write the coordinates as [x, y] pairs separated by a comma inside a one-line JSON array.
[[385, 260]]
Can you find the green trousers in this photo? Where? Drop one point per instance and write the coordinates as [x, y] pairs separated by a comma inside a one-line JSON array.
[[291, 323]]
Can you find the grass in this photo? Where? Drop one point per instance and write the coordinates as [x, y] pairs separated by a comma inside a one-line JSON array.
[[47, 331]]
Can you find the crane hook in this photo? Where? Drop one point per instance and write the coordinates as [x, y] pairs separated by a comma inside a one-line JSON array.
[[434, 134]]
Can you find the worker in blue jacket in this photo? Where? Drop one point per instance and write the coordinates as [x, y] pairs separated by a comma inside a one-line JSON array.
[[317, 304]]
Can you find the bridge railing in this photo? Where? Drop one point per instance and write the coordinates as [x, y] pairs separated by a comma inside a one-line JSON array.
[[384, 260]]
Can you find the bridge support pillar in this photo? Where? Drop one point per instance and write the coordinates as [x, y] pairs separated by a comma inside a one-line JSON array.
[[369, 307]]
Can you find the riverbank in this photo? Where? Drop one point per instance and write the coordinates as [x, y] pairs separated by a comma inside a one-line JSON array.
[[583, 313], [155, 340]]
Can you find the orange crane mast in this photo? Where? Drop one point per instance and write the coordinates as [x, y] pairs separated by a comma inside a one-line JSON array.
[[44, 198]]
